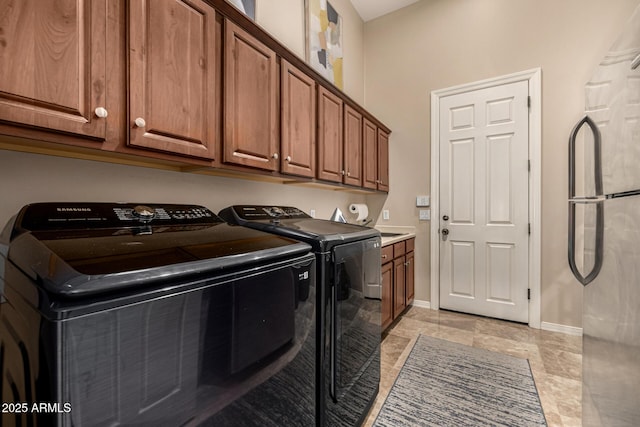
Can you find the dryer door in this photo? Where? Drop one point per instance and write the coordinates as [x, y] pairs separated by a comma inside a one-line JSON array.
[[354, 332]]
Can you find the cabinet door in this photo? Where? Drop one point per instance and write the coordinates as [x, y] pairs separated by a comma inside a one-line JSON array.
[[329, 136], [398, 286], [386, 316], [250, 101], [409, 279], [370, 149], [352, 146], [172, 77], [298, 121], [52, 64], [383, 160]]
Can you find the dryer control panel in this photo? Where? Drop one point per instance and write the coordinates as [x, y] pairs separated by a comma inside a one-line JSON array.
[[258, 212]]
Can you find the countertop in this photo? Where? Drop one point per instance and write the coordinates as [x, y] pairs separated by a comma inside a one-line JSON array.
[[403, 233]]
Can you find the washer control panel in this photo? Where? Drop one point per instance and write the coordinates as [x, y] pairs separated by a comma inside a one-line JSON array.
[[52, 216]]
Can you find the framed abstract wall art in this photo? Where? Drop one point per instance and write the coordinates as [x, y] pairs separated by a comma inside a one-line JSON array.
[[248, 7], [324, 40]]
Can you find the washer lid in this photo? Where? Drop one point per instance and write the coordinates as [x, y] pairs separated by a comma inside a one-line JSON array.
[[292, 222], [84, 248]]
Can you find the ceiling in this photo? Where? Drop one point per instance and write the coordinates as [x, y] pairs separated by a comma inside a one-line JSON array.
[[371, 9]]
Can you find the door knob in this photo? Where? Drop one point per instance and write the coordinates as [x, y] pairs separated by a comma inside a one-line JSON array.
[[445, 233]]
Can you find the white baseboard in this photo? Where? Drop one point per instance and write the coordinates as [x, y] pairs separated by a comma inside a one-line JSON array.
[[420, 303], [554, 327]]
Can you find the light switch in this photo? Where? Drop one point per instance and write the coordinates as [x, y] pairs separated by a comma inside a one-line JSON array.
[[385, 214], [425, 214], [422, 201], [312, 213]]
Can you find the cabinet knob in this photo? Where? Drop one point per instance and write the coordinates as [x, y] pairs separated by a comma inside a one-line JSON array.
[[275, 156], [343, 173], [101, 112], [288, 158], [139, 122], [384, 257], [348, 173]]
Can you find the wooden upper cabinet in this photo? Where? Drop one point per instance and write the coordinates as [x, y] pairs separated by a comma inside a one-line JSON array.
[[352, 146], [370, 158], [172, 80], [329, 136], [298, 121], [250, 101], [53, 65], [383, 160]]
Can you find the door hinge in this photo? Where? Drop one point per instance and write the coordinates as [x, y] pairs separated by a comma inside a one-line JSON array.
[[528, 294], [528, 102], [529, 165], [529, 229]]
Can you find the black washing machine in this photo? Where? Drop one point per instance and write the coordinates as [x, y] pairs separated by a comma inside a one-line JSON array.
[[155, 315], [348, 266]]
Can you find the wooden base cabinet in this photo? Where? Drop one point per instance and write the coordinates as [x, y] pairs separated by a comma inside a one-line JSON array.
[[386, 316], [398, 276]]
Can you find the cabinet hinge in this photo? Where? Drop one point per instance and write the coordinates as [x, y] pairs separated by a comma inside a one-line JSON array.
[[528, 102], [528, 294]]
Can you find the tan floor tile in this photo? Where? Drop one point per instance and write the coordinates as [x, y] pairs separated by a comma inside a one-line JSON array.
[[553, 419], [523, 350], [562, 363], [508, 330], [391, 349], [560, 341]]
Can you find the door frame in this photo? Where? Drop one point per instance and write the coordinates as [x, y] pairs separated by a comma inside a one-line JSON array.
[[534, 79]]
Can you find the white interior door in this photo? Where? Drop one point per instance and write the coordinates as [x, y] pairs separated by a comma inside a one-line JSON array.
[[484, 197]]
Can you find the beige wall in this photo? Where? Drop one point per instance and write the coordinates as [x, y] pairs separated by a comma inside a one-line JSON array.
[[27, 178], [435, 44]]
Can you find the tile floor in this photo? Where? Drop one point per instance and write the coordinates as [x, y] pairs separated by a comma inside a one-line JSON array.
[[555, 358]]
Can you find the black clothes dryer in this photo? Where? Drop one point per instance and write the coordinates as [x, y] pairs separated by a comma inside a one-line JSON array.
[[347, 264], [153, 315]]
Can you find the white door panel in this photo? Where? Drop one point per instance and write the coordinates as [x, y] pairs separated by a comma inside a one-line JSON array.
[[484, 193]]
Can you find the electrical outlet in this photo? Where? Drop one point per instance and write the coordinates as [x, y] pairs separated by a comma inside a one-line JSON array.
[[385, 214], [312, 212], [425, 214]]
